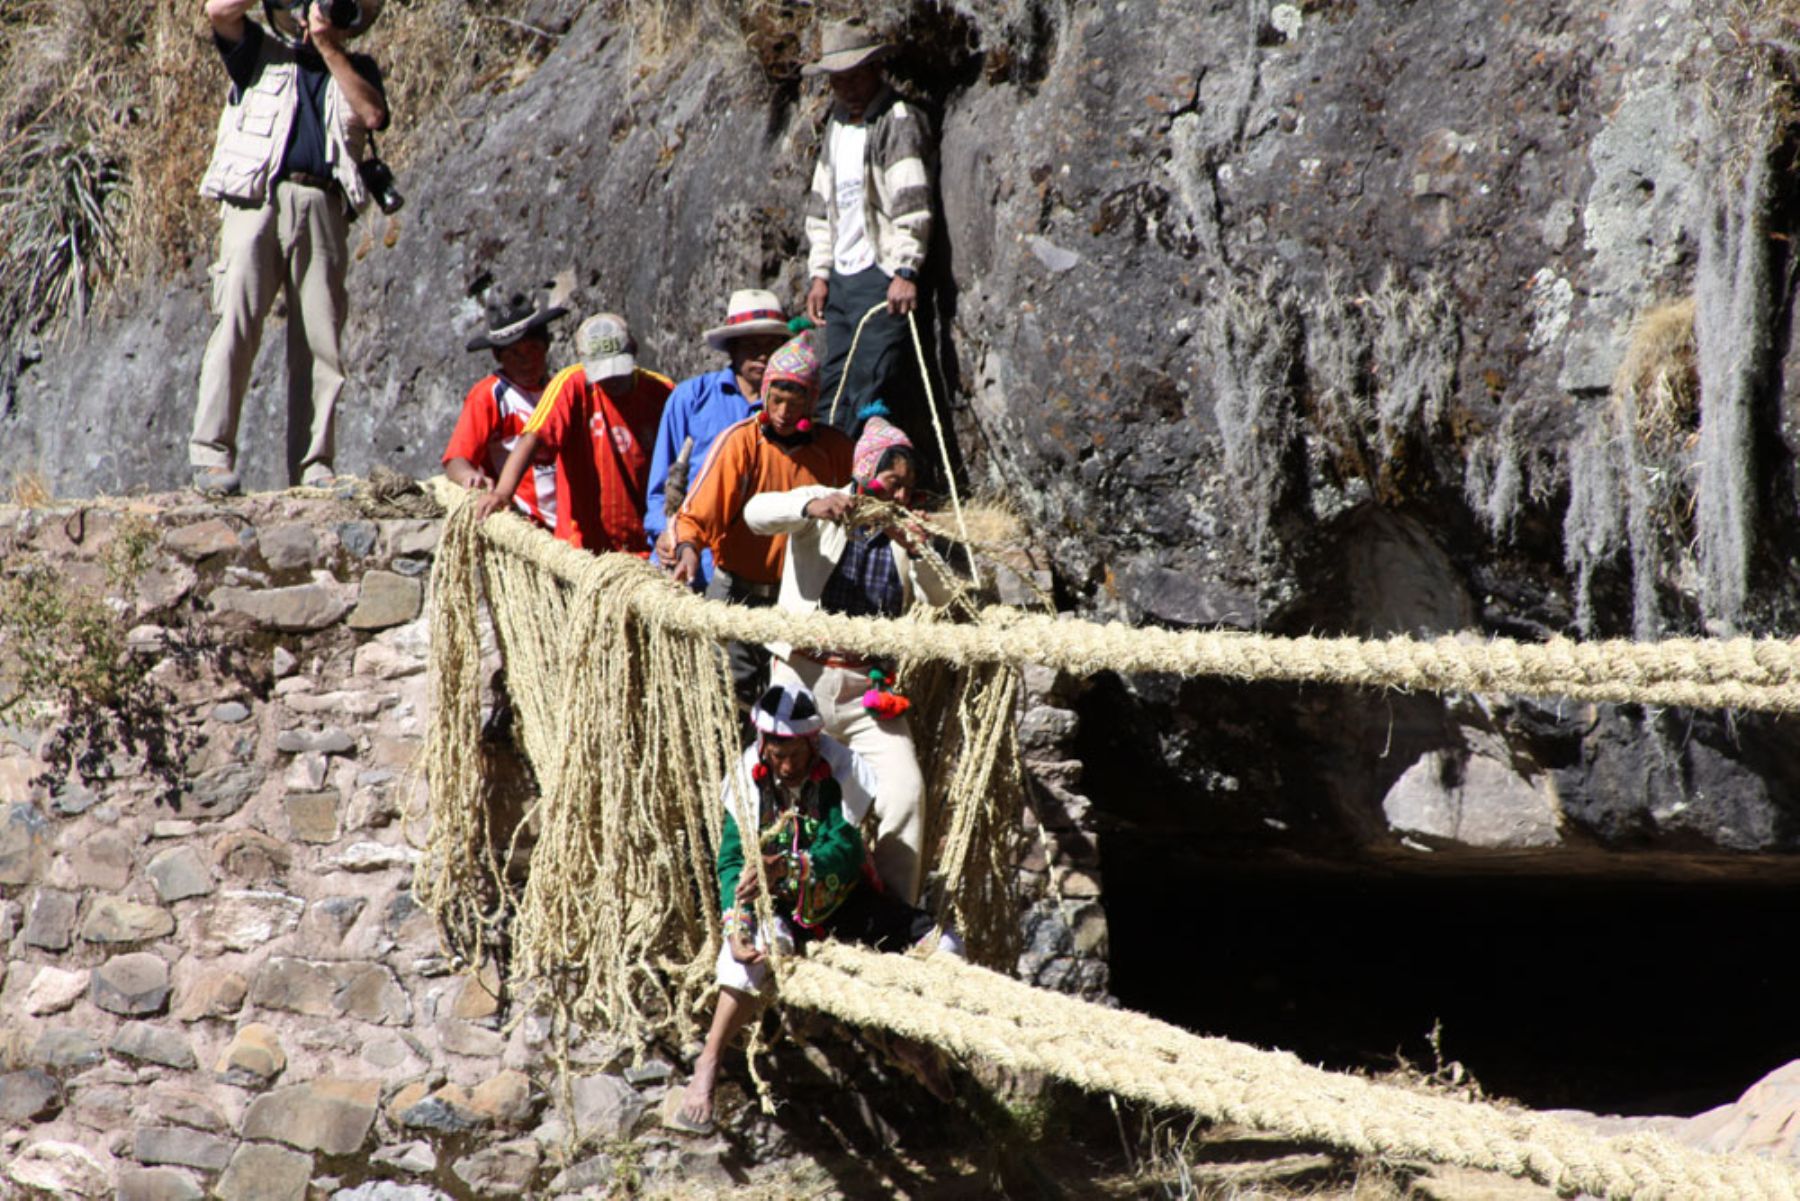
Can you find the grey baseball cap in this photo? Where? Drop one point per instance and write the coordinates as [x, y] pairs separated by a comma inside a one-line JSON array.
[[606, 346]]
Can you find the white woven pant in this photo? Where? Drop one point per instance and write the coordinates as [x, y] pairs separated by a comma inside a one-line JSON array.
[[888, 746]]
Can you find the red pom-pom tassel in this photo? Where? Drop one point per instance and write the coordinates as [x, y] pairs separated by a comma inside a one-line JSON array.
[[885, 705]]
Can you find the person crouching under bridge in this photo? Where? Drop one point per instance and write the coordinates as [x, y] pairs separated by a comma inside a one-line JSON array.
[[859, 572], [810, 793]]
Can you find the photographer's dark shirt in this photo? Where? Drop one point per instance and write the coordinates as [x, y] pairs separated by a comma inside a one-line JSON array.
[[306, 138]]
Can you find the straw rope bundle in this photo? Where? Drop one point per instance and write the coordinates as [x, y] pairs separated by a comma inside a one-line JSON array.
[[966, 733], [624, 712], [629, 728], [460, 881], [618, 916], [976, 1012], [1739, 673]]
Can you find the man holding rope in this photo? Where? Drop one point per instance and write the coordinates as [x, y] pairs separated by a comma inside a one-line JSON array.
[[868, 220], [776, 450]]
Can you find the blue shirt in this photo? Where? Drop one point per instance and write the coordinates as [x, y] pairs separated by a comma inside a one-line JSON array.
[[700, 408]]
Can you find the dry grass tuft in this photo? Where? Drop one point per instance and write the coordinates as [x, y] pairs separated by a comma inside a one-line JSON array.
[[1754, 86], [776, 33], [62, 177], [1632, 473], [1661, 370], [178, 90], [990, 522], [30, 490]]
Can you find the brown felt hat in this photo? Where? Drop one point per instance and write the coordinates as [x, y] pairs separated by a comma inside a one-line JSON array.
[[844, 46]]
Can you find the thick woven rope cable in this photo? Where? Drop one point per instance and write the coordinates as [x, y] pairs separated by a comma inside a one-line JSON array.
[[979, 1013], [1737, 673], [616, 925]]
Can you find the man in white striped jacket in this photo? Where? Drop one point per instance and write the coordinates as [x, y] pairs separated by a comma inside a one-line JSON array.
[[868, 219]]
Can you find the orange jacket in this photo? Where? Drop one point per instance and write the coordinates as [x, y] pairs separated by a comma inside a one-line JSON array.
[[745, 462]]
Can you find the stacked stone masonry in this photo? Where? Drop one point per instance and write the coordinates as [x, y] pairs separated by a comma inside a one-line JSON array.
[[234, 994], [231, 992]]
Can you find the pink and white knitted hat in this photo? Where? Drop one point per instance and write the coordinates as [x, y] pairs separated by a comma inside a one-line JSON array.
[[879, 435], [797, 362]]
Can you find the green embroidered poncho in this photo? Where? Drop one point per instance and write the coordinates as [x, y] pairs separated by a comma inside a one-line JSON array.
[[807, 828]]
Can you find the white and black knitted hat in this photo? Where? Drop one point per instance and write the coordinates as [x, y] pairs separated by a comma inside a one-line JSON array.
[[787, 713]]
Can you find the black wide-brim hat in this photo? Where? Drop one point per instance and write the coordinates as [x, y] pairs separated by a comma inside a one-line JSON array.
[[511, 319]]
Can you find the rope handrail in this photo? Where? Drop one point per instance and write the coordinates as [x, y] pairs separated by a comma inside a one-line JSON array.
[[977, 1012], [1737, 673], [605, 655]]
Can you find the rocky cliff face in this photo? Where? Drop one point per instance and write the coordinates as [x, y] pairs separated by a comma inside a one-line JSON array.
[[1300, 316]]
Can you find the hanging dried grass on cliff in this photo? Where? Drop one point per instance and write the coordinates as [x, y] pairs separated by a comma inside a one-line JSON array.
[[1632, 472]]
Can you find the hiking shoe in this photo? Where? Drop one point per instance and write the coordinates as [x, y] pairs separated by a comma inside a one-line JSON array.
[[217, 481], [318, 476]]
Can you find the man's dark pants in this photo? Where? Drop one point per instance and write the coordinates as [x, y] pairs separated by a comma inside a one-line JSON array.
[[883, 353], [876, 919], [749, 661]]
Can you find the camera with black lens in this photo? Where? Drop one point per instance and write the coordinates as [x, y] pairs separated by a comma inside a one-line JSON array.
[[378, 178], [345, 14]]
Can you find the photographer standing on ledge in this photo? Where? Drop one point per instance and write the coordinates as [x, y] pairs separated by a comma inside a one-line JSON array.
[[285, 169]]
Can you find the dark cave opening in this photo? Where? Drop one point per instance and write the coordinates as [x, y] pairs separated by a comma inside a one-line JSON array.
[[1633, 996]]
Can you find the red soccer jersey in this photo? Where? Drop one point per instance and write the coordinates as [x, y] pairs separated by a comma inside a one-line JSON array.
[[602, 444], [493, 416]]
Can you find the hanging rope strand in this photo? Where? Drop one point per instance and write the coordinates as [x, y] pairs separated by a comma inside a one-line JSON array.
[[937, 425]]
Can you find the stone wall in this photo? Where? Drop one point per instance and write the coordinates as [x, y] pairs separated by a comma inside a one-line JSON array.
[[216, 977], [235, 991]]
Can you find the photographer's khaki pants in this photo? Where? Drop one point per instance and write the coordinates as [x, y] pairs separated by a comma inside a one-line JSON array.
[[299, 242]]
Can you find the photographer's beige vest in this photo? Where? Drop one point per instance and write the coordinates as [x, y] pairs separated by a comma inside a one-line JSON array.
[[253, 134]]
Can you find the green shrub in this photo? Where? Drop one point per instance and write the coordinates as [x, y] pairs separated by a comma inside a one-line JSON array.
[[66, 661]]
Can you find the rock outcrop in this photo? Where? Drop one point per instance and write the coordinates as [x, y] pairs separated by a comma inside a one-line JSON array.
[[1296, 316]]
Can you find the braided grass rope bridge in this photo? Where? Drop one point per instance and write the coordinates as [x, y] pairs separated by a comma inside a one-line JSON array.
[[622, 707]]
